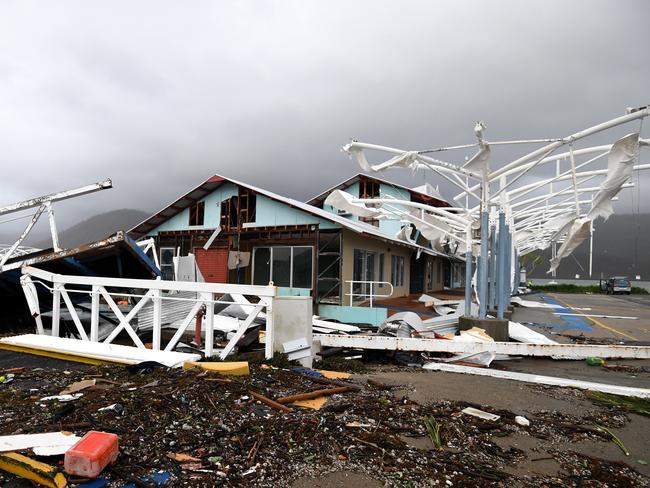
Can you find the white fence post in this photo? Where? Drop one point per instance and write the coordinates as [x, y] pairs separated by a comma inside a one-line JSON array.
[[56, 309], [209, 324], [268, 347], [157, 318], [94, 314]]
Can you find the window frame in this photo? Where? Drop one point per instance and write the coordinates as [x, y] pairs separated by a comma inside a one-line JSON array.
[[166, 265], [291, 265], [199, 211], [397, 271]]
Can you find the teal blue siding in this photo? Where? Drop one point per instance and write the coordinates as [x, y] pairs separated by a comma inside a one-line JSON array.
[[284, 291], [212, 217], [354, 315], [392, 227], [389, 227], [352, 190], [271, 212], [268, 213]]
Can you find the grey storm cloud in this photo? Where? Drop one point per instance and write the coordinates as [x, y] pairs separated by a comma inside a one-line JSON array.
[[160, 95]]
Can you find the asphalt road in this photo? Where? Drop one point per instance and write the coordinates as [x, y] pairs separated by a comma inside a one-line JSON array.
[[573, 318]]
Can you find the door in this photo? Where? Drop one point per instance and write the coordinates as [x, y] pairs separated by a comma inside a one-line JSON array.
[[364, 270], [213, 264], [417, 274]]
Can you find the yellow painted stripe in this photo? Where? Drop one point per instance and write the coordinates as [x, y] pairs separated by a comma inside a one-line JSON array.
[[27, 468], [597, 322]]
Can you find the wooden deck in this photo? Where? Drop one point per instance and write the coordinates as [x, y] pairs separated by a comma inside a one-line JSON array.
[[410, 303]]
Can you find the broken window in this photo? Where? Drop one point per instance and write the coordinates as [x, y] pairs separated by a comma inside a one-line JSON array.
[[247, 204], [229, 213], [369, 189], [197, 213]]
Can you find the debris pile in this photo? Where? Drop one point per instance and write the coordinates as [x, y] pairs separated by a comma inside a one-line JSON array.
[[196, 427]]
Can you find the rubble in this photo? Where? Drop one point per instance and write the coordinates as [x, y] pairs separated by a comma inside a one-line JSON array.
[[240, 431]]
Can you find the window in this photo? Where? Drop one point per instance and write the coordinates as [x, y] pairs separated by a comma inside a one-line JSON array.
[[397, 270], [229, 212], [364, 270], [288, 266], [167, 263], [430, 275], [197, 212], [247, 205], [381, 270], [369, 189]]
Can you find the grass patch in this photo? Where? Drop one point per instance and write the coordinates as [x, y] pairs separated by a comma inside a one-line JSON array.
[[570, 288], [433, 429], [338, 363], [615, 439], [629, 404]]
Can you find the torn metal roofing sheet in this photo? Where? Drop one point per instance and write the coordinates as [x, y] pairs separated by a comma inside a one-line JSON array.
[[213, 182], [97, 258]]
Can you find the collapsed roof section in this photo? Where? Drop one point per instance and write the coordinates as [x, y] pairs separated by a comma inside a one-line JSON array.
[[117, 256]]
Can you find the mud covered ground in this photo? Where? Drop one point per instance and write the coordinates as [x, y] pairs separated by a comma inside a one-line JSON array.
[[373, 436]]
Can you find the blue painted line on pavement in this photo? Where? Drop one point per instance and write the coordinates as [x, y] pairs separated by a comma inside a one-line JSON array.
[[571, 322]]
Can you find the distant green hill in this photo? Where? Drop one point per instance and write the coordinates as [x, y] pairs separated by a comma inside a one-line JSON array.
[[97, 227]]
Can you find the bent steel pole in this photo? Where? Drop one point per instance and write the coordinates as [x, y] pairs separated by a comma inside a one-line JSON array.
[[55, 197]]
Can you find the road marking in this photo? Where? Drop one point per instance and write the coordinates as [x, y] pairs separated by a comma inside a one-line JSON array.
[[598, 322]]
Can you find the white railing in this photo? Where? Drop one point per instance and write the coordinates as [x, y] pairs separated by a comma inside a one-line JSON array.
[[147, 291], [370, 292]]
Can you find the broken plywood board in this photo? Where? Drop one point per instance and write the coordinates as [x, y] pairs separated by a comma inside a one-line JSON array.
[[45, 444], [231, 368]]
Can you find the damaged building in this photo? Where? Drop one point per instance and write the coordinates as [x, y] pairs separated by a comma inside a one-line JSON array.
[[243, 234]]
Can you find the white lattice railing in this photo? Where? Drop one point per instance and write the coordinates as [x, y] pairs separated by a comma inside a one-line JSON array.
[[368, 289], [145, 292]]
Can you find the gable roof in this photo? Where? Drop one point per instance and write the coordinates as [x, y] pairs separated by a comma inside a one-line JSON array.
[[418, 194], [209, 185]]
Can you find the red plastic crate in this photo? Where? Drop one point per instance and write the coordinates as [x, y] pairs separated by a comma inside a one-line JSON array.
[[88, 457]]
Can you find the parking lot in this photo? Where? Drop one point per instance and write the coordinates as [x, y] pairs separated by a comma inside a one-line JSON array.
[[574, 318]]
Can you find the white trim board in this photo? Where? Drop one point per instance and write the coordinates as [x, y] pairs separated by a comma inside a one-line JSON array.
[[541, 380], [557, 351]]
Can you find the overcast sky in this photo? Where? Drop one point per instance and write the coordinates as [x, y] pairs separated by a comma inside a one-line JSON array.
[[160, 95]]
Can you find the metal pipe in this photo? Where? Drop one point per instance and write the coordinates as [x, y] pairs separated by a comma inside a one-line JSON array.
[[468, 270], [508, 267], [501, 264], [485, 263], [493, 268]]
